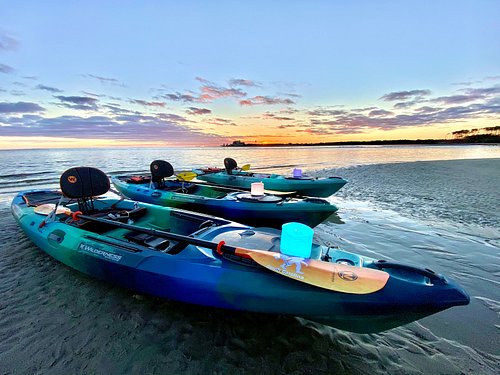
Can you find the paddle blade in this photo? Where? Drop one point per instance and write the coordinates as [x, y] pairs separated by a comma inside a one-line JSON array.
[[185, 176], [246, 167], [46, 209], [338, 277]]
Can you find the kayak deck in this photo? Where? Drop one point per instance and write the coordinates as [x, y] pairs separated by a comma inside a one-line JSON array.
[[233, 204]]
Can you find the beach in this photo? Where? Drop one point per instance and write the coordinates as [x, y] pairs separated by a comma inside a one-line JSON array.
[[439, 213]]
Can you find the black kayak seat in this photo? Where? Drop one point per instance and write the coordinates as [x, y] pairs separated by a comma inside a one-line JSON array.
[[230, 164], [83, 184], [160, 169]]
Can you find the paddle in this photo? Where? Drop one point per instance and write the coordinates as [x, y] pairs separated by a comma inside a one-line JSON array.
[[47, 208], [332, 276], [185, 176]]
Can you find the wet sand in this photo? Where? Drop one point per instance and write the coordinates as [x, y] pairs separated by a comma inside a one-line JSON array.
[[54, 320]]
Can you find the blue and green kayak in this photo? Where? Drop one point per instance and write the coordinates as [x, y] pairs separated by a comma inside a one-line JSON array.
[[301, 184], [205, 260], [266, 210]]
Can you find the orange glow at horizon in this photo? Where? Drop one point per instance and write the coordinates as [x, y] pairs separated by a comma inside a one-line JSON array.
[[251, 134]]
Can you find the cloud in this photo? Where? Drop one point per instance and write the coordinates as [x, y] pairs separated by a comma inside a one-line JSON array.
[[291, 95], [491, 78], [78, 102], [177, 97], [203, 80], [147, 104], [427, 109], [273, 116], [317, 131], [138, 128], [403, 105], [104, 80], [326, 112], [48, 88], [243, 82], [210, 93], [6, 69], [8, 43], [220, 121], [380, 112], [117, 109], [17, 93], [485, 91], [470, 95], [20, 107], [456, 99], [353, 122], [466, 83], [173, 117], [404, 95], [265, 100], [198, 111]]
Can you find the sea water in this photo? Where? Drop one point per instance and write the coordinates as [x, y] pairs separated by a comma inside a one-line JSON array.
[[435, 206]]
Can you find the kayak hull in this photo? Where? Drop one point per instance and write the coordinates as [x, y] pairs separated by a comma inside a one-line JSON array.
[[307, 186], [197, 275], [232, 205]]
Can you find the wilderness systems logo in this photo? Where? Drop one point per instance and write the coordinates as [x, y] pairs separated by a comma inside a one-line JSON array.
[[92, 250], [287, 262], [348, 275]]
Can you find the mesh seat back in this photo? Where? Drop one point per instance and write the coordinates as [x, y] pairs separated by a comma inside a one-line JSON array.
[[230, 164]]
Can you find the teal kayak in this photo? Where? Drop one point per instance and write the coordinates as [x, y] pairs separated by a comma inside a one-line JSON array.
[[206, 260], [301, 184], [266, 210]]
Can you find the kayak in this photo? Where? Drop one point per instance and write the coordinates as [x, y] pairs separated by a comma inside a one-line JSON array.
[[266, 209], [206, 260], [301, 184]]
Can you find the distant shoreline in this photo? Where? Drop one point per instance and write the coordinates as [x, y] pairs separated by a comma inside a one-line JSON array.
[[476, 139]]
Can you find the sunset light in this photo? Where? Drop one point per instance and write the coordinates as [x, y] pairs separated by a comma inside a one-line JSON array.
[[117, 82]]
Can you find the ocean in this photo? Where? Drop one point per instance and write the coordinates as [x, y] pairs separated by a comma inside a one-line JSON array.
[[435, 206]]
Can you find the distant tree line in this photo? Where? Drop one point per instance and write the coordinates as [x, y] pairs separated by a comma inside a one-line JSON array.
[[492, 130]]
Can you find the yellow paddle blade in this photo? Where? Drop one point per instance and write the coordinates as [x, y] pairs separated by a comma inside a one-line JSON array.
[[333, 276], [185, 176], [246, 167], [46, 209]]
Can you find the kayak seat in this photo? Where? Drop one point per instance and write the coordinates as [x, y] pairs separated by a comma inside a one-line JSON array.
[[84, 184], [230, 164], [160, 169]]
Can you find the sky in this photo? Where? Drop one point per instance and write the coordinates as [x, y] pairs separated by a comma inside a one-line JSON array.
[[204, 73]]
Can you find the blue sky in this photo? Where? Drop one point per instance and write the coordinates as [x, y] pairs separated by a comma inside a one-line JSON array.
[[165, 72]]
